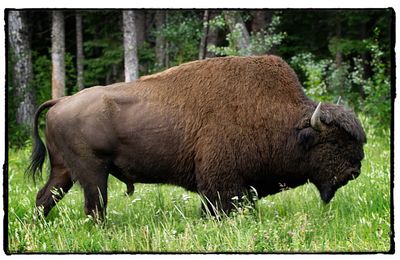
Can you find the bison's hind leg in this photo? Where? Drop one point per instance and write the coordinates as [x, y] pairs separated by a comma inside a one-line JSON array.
[[54, 190]]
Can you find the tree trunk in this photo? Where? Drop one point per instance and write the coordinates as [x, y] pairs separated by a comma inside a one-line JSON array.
[[22, 57], [259, 21], [140, 27], [364, 57], [160, 40], [203, 41], [259, 25], [236, 24], [57, 55], [212, 36], [339, 54], [130, 46], [79, 51]]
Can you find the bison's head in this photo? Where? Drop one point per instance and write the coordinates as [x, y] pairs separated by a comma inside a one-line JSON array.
[[332, 140]]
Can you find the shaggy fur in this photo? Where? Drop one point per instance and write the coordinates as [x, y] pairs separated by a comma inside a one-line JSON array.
[[217, 127]]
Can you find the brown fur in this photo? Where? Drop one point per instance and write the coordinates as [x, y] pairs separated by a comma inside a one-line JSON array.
[[217, 127]]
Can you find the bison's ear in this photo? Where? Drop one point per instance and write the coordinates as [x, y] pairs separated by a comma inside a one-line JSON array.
[[348, 121], [307, 138]]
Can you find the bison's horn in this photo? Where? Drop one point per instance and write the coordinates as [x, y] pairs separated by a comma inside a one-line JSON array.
[[316, 119]]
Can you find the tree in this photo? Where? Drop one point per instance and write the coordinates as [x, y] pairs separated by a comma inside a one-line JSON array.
[[212, 34], [238, 29], [140, 22], [259, 21], [240, 42], [203, 41], [79, 51], [58, 55], [22, 67], [262, 20], [130, 46], [160, 39]]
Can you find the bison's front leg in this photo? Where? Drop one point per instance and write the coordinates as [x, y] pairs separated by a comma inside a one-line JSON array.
[[221, 189], [221, 202], [130, 188], [218, 173]]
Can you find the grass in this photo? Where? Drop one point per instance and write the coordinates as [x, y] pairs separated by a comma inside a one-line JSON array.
[[162, 218]]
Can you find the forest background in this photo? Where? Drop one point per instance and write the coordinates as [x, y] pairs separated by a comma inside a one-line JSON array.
[[336, 53]]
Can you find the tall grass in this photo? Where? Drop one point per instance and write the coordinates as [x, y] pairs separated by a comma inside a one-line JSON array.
[[161, 218]]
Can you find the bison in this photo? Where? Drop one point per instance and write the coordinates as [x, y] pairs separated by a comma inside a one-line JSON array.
[[218, 127]]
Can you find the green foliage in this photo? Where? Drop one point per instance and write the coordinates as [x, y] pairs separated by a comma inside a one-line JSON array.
[[162, 218], [42, 76], [231, 49], [377, 103], [18, 136], [103, 47], [70, 74], [324, 80], [314, 73], [346, 46], [260, 42], [96, 68], [182, 32], [147, 57]]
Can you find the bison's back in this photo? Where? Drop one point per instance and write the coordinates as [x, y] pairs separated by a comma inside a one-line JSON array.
[[242, 90]]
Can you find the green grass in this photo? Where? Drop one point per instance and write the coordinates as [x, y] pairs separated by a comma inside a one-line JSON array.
[[162, 218]]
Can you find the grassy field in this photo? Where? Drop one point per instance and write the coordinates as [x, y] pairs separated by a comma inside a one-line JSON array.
[[161, 218]]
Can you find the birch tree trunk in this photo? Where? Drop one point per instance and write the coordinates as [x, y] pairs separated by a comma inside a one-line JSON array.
[[79, 51], [22, 67], [130, 46], [57, 55]]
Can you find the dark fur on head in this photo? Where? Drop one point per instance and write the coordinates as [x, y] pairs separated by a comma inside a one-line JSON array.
[[334, 151], [341, 117]]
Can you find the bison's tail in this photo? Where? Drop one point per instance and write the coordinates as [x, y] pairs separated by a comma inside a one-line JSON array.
[[39, 150]]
